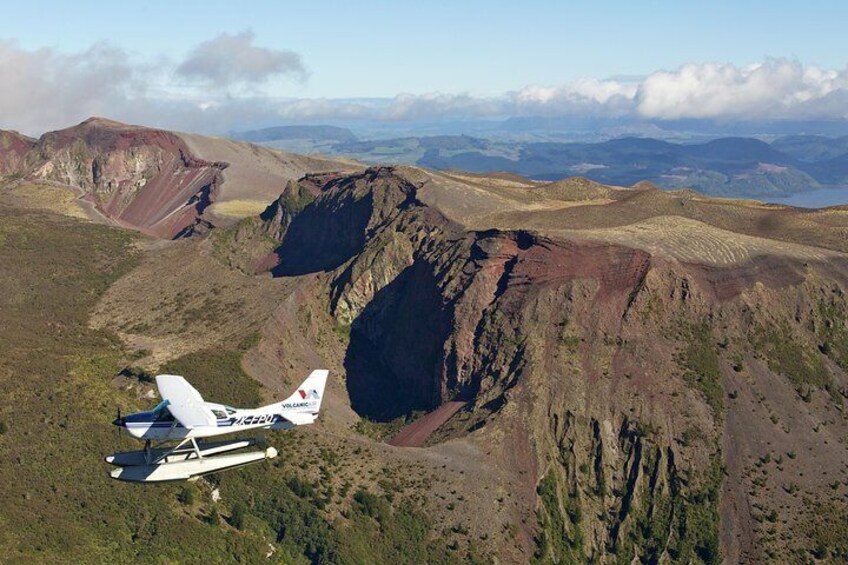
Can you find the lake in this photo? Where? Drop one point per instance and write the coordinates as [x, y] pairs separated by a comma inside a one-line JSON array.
[[818, 198]]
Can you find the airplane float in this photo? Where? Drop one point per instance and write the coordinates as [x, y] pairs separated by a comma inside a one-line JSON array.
[[184, 417]]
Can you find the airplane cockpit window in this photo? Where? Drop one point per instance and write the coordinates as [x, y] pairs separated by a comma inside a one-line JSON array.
[[161, 413], [230, 411], [161, 405], [219, 414], [164, 415]]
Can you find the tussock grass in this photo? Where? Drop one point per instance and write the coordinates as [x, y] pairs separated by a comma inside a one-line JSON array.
[[239, 208]]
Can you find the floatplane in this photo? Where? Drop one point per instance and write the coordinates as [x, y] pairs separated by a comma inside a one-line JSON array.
[[184, 417]]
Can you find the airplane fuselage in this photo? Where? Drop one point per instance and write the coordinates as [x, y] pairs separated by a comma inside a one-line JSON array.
[[159, 425]]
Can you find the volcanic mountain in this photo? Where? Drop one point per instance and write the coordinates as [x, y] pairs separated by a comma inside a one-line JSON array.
[[159, 182], [646, 364], [611, 374]]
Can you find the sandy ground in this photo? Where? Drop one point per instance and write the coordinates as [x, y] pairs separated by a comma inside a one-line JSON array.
[[255, 175], [416, 433]]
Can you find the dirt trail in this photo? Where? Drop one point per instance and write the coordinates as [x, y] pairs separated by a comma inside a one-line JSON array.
[[416, 433]]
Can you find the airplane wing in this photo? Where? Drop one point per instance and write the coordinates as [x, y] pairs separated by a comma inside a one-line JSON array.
[[299, 418], [184, 402]]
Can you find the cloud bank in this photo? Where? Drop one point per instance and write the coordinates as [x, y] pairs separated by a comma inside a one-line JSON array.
[[218, 87], [44, 88], [232, 59], [774, 89]]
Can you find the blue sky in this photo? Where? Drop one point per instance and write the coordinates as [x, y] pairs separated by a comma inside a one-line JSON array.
[[484, 48], [455, 58]]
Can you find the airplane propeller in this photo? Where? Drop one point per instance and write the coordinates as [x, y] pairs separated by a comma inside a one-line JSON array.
[[119, 423]]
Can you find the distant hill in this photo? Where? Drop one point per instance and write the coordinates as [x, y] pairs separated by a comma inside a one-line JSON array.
[[731, 166], [288, 133], [812, 147], [728, 166]]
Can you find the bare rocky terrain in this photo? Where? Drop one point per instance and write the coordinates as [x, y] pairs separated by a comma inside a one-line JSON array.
[[643, 376], [162, 183]]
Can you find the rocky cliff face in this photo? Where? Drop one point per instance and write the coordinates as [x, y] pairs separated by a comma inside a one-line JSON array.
[[13, 150], [159, 182], [644, 399], [141, 177]]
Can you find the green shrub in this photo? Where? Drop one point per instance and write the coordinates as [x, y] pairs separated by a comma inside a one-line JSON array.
[[301, 488], [238, 516], [369, 504], [786, 355], [213, 518], [833, 331], [186, 495], [701, 364], [558, 540]]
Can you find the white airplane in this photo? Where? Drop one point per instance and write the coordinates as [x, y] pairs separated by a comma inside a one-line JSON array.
[[183, 416]]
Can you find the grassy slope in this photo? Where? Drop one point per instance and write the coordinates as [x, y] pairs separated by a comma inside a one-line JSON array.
[[56, 374], [57, 377]]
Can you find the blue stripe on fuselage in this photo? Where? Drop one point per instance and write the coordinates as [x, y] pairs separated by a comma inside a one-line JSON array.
[[223, 423]]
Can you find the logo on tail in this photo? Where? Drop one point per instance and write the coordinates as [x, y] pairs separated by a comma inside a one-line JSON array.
[[311, 395], [306, 398]]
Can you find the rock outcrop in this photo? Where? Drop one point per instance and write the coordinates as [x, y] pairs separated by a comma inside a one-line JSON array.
[[143, 178], [159, 182]]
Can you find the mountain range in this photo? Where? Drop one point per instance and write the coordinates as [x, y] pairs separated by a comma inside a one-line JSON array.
[[521, 370], [731, 166]]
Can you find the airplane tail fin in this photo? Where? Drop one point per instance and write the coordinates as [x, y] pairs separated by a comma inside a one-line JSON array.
[[302, 407]]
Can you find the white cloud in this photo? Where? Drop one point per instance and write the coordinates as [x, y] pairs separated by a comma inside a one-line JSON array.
[[440, 105], [322, 108], [45, 88], [582, 90], [584, 96], [52, 89], [777, 88], [234, 59]]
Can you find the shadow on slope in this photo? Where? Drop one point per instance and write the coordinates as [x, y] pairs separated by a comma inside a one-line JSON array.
[[393, 360], [320, 241]]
